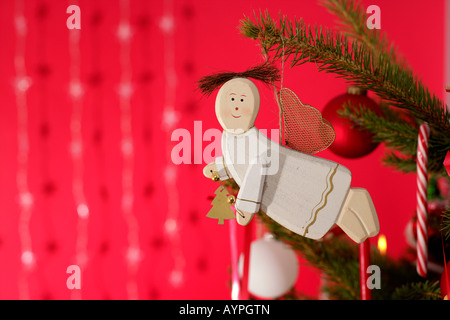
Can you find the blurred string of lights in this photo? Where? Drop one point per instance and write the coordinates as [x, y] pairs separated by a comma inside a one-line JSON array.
[[133, 254], [22, 82], [170, 118], [76, 92]]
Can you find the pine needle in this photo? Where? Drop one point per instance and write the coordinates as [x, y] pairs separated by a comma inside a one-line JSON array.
[[445, 228]]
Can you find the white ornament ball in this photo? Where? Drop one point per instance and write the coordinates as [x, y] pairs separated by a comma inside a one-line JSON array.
[[273, 268]]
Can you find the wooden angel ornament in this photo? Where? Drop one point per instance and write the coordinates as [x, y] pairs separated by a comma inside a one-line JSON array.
[[304, 193]]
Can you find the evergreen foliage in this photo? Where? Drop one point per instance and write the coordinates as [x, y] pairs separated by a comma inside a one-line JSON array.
[[369, 64], [363, 58]]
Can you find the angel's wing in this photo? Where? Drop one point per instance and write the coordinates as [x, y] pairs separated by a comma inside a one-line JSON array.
[[304, 128]]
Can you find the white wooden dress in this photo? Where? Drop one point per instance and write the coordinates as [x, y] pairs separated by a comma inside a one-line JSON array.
[[303, 193]]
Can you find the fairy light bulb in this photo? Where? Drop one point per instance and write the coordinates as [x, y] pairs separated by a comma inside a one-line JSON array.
[[83, 210], [170, 173], [170, 226], [27, 258], [382, 244], [76, 89], [124, 32], [167, 24], [76, 148], [125, 90], [134, 255], [26, 200], [127, 202], [21, 25], [23, 83], [127, 147], [235, 290], [176, 278], [170, 118]]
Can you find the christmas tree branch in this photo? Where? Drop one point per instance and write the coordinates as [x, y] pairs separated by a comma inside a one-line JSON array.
[[402, 163], [399, 134], [419, 291], [395, 133], [353, 23], [355, 62], [338, 259], [338, 262], [370, 63]]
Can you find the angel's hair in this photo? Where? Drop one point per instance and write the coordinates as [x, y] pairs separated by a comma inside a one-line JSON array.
[[266, 72]]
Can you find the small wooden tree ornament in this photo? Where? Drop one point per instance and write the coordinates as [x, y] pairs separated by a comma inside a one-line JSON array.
[[304, 193], [221, 206]]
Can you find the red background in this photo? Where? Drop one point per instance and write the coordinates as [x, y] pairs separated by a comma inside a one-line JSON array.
[[206, 39]]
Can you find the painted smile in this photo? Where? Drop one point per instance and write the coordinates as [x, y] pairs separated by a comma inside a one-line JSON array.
[[235, 116]]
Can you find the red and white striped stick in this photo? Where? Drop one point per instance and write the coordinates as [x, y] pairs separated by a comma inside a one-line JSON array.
[[422, 183]]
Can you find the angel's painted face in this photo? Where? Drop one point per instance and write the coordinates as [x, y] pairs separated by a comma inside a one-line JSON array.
[[237, 105]]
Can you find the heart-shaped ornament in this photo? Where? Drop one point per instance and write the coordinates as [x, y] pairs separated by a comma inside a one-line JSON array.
[[304, 128]]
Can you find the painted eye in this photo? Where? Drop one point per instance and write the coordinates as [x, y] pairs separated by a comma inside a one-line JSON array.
[[232, 99], [242, 100]]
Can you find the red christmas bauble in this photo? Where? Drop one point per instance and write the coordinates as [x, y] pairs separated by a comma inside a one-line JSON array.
[[350, 142]]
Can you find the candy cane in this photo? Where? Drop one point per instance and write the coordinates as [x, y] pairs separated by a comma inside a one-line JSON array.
[[422, 182]]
